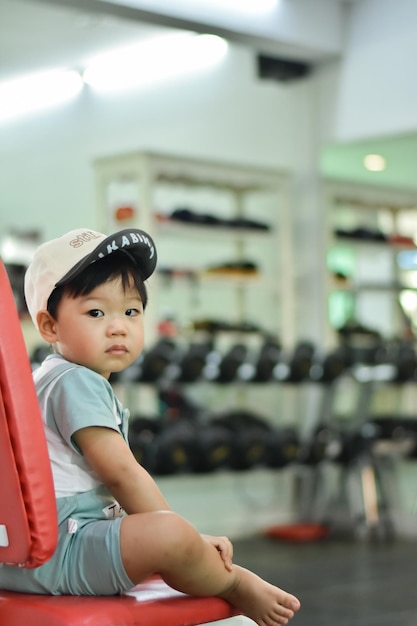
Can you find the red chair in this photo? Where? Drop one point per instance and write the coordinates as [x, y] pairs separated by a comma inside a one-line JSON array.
[[28, 521]]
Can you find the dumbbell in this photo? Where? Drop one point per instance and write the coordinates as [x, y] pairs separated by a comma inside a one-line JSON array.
[[249, 438], [211, 449], [316, 449], [142, 434], [331, 366], [157, 360], [229, 365], [173, 447], [405, 361], [268, 358], [193, 361], [282, 447], [300, 362]]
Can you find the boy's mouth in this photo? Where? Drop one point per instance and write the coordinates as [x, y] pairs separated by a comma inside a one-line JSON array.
[[117, 349]]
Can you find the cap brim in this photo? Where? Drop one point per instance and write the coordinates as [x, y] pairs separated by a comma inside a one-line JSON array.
[[136, 243]]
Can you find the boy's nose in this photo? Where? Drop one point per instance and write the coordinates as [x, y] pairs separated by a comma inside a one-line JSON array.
[[116, 327]]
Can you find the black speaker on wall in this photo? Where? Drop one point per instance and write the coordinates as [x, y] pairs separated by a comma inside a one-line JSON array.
[[283, 70]]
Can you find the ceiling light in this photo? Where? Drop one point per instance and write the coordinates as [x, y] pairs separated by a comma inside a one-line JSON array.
[[243, 6], [374, 162], [154, 60], [37, 91]]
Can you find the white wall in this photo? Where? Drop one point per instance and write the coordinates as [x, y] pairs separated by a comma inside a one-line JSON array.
[[378, 91], [46, 176]]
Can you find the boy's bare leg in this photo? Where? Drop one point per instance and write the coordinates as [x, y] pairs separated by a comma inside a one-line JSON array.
[[164, 543]]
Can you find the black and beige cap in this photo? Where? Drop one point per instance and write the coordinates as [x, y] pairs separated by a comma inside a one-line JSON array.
[[59, 260]]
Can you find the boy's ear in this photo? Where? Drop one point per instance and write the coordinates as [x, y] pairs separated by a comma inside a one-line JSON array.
[[46, 325]]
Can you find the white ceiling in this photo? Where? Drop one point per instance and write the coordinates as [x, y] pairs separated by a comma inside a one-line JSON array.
[[37, 35]]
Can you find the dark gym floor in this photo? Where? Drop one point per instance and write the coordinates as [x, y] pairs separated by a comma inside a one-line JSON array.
[[340, 583]]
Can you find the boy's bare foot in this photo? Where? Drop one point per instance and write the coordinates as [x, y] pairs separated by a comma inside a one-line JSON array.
[[266, 604]]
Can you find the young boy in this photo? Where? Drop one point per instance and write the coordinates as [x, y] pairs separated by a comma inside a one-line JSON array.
[[86, 295]]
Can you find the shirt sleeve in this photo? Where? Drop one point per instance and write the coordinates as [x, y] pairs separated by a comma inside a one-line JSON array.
[[82, 398]]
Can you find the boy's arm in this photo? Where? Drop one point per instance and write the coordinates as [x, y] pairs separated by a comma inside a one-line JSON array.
[[110, 457]]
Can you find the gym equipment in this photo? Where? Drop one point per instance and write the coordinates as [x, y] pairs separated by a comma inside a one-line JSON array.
[[212, 448], [282, 447], [193, 361], [331, 366], [213, 326], [142, 434], [295, 368], [28, 522], [39, 354], [131, 374], [338, 444], [363, 345], [16, 274], [269, 356], [397, 435], [231, 361], [402, 354], [362, 501], [156, 361], [172, 444], [173, 448], [186, 439], [181, 446], [249, 435]]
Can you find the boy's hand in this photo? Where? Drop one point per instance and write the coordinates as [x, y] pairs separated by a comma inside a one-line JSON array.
[[225, 548]]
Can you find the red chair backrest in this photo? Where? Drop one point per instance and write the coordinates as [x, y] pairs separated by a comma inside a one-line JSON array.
[[28, 517]]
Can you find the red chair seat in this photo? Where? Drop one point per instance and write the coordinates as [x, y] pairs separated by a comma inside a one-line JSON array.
[[155, 604]]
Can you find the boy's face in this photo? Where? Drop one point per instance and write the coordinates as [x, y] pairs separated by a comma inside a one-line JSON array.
[[103, 330]]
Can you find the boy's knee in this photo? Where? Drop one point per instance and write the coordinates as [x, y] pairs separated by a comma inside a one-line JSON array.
[[179, 536]]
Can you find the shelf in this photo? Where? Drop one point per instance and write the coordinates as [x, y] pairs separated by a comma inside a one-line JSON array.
[[363, 196], [383, 222], [208, 277], [182, 229], [155, 186], [192, 172], [389, 245], [372, 287]]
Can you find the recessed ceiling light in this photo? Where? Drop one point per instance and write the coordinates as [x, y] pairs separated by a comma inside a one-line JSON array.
[[375, 162]]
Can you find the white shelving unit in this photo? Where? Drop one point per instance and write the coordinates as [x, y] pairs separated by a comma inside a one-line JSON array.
[[371, 257], [187, 285]]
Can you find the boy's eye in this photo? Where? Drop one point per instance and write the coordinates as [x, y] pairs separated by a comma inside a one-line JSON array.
[[95, 313], [132, 312]]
